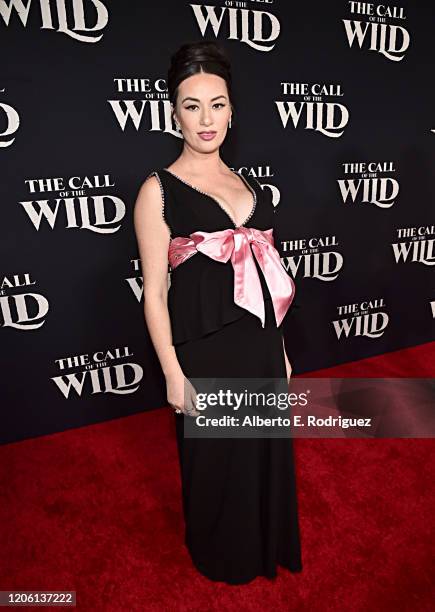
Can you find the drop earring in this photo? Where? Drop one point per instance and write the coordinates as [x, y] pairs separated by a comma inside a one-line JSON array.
[[229, 123]]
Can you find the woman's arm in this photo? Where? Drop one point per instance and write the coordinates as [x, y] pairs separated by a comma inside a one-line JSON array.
[[153, 239]]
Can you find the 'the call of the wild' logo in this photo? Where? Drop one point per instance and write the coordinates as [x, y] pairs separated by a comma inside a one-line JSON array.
[[415, 245], [367, 318], [81, 20], [312, 111], [141, 101], [237, 21], [369, 183], [105, 371], [317, 257], [372, 31], [75, 203], [21, 307]]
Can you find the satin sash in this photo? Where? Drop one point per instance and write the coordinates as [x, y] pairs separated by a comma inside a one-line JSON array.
[[237, 244]]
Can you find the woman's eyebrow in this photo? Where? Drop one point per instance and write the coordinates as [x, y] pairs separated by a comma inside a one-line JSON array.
[[197, 100]]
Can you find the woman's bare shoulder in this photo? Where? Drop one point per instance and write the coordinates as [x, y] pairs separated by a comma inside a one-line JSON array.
[[151, 187], [150, 201], [153, 178]]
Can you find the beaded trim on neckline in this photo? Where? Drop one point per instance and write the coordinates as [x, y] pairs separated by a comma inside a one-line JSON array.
[[251, 189]]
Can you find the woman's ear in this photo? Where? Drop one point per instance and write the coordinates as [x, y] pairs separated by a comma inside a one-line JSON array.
[[174, 118]]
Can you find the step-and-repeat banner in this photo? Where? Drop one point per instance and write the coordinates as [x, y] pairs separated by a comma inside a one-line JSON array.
[[335, 115]]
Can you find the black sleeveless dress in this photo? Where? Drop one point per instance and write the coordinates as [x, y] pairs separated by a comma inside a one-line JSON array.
[[239, 494]]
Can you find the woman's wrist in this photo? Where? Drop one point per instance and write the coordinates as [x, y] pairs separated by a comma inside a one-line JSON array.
[[173, 372]]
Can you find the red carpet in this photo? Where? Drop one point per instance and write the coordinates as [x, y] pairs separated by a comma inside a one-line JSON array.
[[98, 510]]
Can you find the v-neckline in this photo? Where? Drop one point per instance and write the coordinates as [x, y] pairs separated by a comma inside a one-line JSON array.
[[251, 189]]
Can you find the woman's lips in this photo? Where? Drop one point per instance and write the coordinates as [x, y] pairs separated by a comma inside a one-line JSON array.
[[207, 135]]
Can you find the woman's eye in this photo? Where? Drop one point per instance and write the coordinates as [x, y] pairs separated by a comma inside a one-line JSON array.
[[195, 106]]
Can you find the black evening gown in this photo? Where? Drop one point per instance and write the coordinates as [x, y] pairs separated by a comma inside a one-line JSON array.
[[239, 494]]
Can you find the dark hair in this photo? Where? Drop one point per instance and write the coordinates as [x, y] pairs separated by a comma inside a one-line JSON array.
[[192, 58]]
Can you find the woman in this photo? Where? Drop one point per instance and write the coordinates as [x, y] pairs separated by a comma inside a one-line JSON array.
[[239, 496]]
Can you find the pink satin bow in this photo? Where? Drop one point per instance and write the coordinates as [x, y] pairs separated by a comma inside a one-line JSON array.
[[236, 244]]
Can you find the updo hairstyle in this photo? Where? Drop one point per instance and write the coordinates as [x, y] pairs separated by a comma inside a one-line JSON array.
[[193, 58]]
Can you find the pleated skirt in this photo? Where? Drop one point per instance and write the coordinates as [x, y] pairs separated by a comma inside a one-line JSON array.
[[238, 494]]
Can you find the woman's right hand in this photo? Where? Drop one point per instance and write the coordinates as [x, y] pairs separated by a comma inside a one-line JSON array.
[[181, 394]]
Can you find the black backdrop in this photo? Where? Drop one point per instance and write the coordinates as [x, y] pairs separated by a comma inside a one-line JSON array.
[[334, 114]]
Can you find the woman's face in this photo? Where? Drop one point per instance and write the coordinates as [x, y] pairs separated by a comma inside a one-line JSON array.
[[203, 106]]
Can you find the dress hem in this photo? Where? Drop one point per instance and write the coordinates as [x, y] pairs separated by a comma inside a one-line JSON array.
[[269, 575]]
